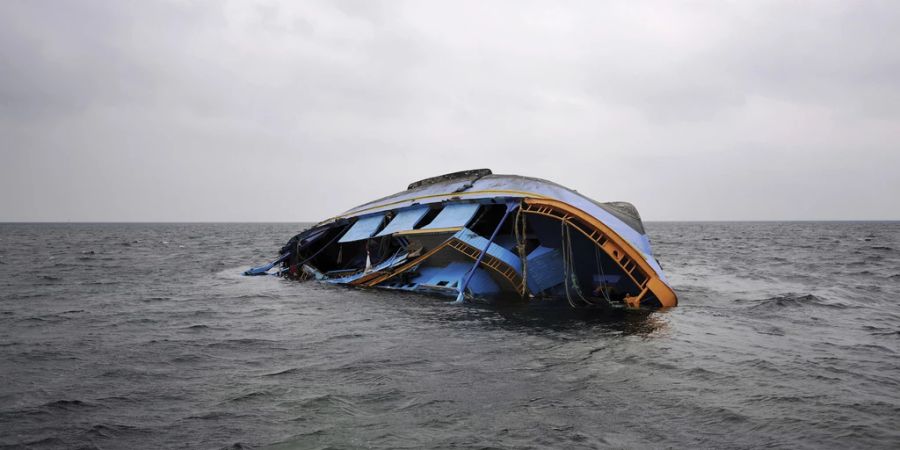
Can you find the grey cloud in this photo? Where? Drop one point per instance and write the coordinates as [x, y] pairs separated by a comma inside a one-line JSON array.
[[187, 111]]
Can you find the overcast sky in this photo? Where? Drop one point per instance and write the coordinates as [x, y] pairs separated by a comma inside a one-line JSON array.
[[299, 110]]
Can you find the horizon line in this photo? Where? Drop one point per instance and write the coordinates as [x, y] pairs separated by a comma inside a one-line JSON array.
[[124, 222]]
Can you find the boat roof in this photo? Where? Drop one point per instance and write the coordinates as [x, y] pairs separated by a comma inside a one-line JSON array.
[[482, 181], [482, 184]]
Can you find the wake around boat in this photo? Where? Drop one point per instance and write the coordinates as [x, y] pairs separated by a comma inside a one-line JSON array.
[[473, 234]]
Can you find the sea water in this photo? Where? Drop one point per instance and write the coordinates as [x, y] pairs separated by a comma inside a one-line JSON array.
[[147, 336]]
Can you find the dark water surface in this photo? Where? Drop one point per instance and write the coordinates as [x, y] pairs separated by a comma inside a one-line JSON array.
[[146, 336]]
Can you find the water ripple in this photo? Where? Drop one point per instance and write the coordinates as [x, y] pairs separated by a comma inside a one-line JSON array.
[[146, 336]]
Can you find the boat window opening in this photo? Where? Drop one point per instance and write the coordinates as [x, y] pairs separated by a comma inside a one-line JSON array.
[[599, 274], [403, 220], [584, 262], [384, 221], [348, 256], [317, 251], [429, 216], [580, 223], [353, 255], [488, 220], [380, 250], [364, 228], [639, 276], [478, 216], [531, 244], [454, 215], [544, 229], [530, 238]]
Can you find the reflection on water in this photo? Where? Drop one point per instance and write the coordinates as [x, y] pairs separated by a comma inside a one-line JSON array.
[[558, 315]]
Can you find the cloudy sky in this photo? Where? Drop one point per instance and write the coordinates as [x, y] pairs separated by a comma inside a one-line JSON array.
[[295, 111]]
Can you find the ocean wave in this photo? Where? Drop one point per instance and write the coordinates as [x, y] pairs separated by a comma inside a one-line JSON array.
[[784, 337], [69, 405], [886, 333], [109, 431], [333, 402], [794, 301], [214, 415], [250, 396], [290, 371]]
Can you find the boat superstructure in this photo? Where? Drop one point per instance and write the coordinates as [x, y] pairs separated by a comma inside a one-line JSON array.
[[474, 234]]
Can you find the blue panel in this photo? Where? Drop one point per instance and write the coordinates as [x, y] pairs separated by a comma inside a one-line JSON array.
[[475, 240], [364, 228], [452, 275], [405, 220], [606, 279], [395, 260], [482, 284], [427, 279], [545, 269], [424, 274], [453, 215]]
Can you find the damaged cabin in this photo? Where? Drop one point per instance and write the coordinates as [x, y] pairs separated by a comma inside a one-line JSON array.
[[473, 234]]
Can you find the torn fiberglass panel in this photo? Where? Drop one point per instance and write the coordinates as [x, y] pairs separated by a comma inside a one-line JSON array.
[[405, 220], [454, 215], [364, 228]]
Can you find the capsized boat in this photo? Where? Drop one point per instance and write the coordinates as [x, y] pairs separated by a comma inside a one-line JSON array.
[[477, 235]]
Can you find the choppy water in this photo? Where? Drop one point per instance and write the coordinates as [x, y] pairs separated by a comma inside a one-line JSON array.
[[146, 336]]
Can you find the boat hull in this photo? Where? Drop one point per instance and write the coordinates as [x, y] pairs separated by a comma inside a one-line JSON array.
[[478, 235]]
